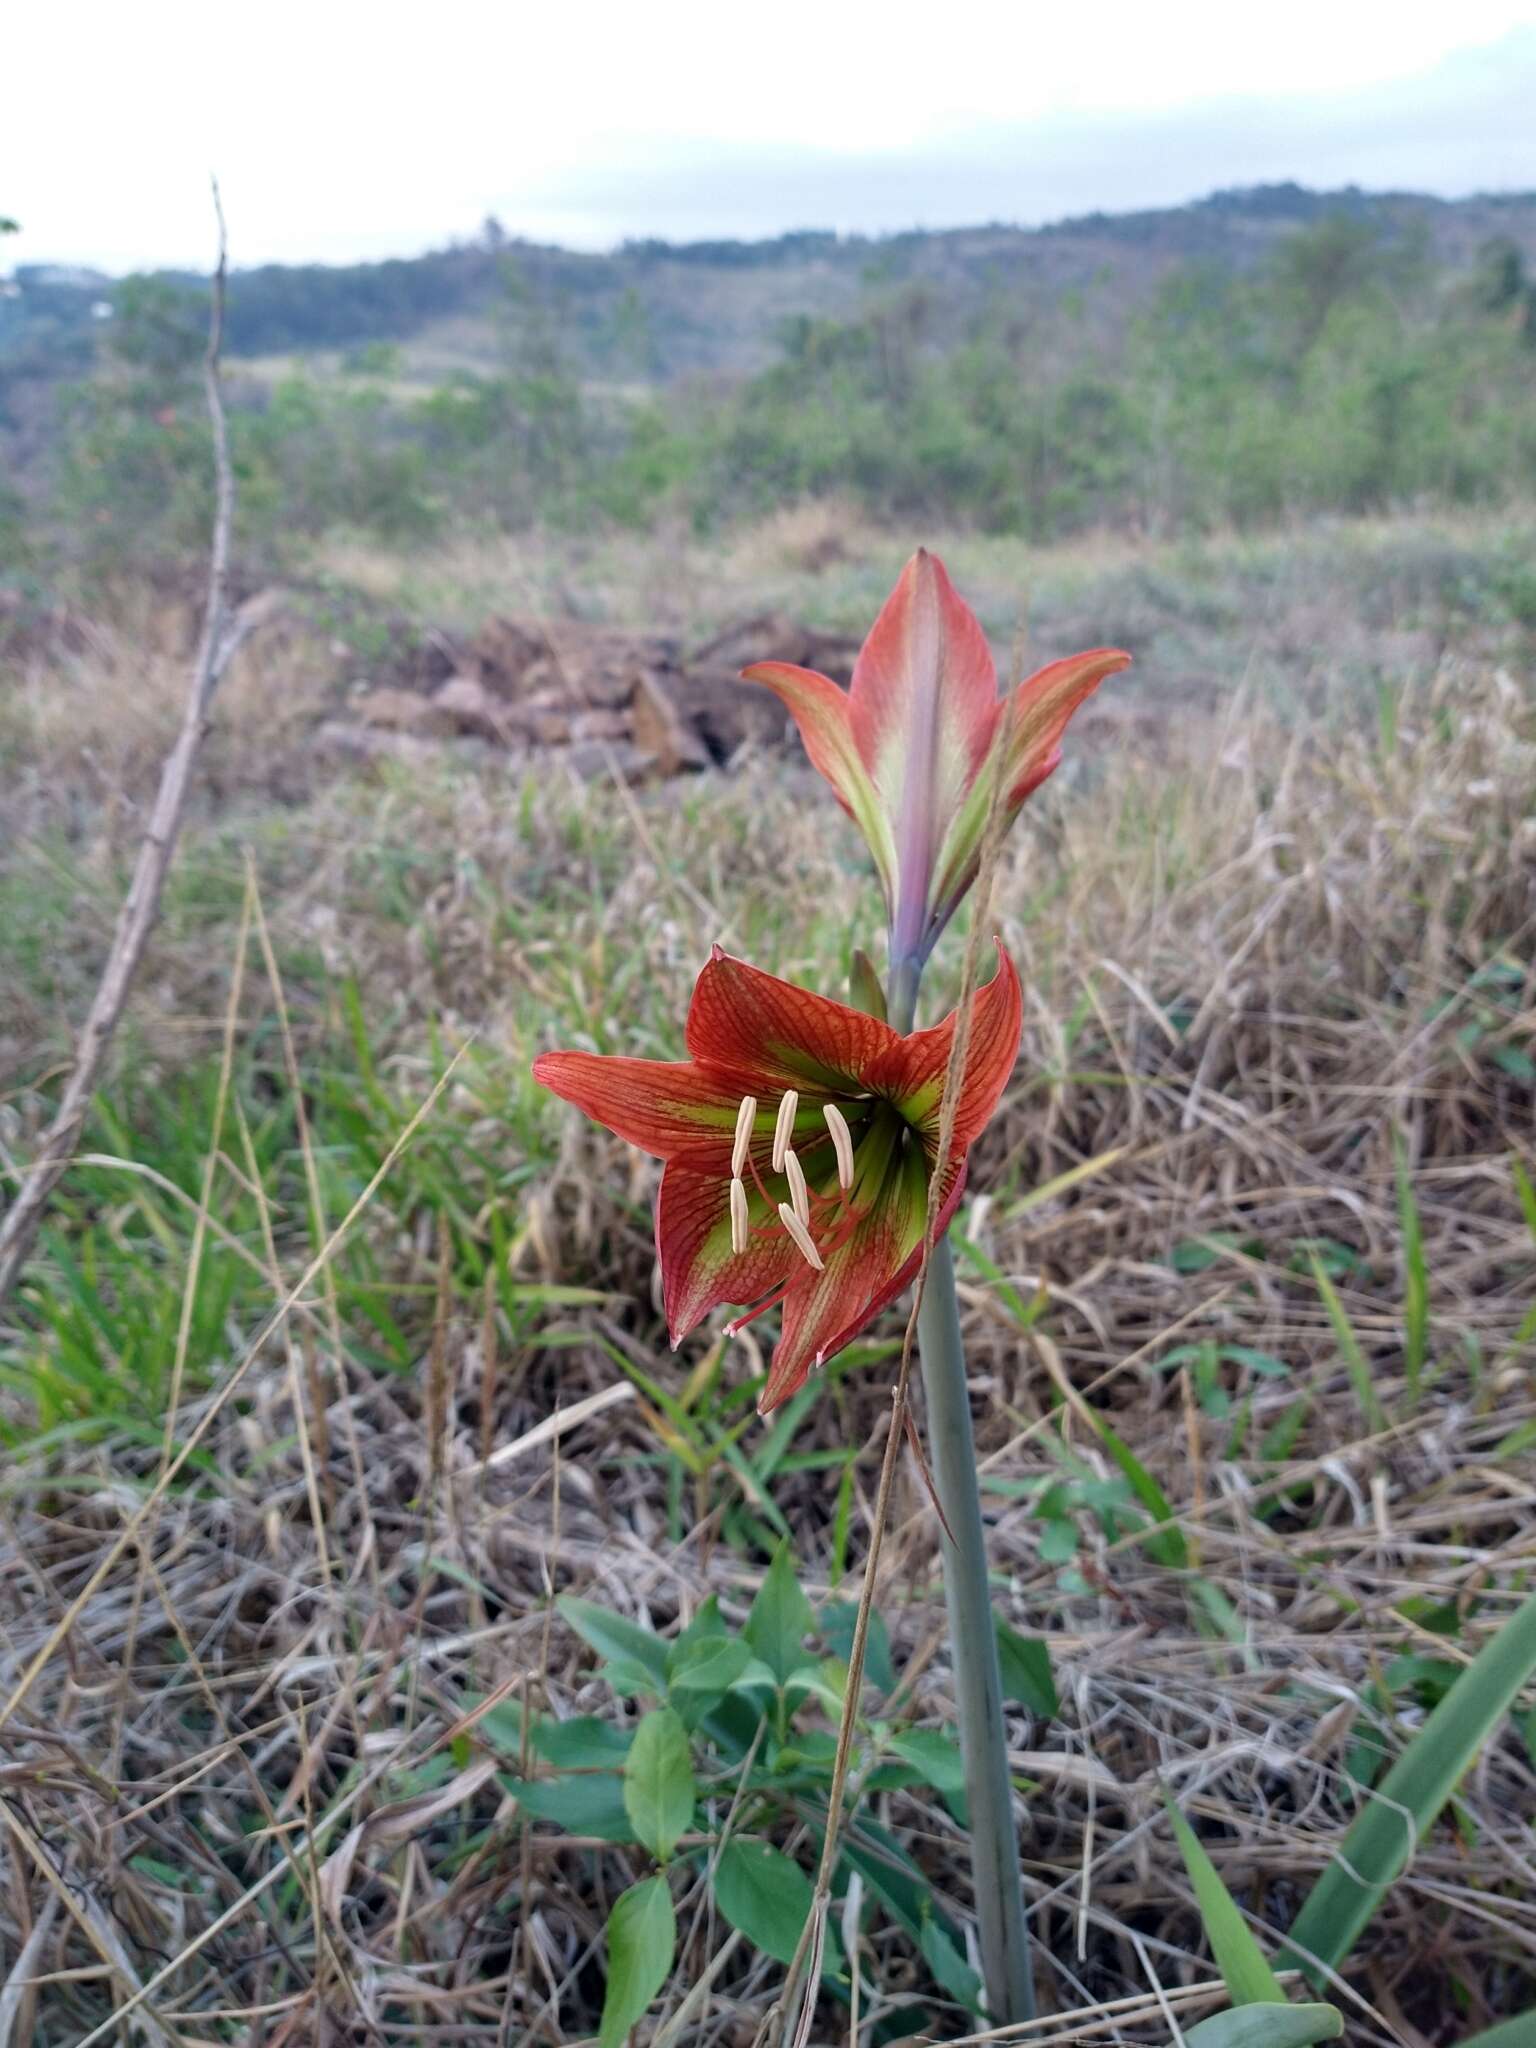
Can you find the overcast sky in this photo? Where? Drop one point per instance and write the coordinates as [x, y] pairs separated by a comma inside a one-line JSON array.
[[342, 131]]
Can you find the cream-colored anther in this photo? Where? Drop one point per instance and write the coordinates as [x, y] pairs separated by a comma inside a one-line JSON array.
[[740, 1229], [799, 1196], [783, 1130], [804, 1243], [842, 1143], [745, 1116]]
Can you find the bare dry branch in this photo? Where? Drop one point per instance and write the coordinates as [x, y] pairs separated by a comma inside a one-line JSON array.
[[222, 635]]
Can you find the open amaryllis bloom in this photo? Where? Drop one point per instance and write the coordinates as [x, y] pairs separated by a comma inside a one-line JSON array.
[[799, 1137], [911, 750]]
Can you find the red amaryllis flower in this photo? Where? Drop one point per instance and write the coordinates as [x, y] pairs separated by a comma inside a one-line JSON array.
[[911, 748], [799, 1138]]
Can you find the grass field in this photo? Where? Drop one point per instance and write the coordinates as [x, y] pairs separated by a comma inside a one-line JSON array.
[[311, 1737]]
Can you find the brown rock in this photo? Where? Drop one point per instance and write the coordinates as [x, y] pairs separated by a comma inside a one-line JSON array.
[[473, 709], [600, 725], [661, 729], [502, 653], [392, 710], [729, 714], [594, 758], [772, 637]]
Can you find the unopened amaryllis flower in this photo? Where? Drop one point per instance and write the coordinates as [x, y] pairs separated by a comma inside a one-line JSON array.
[[799, 1139], [910, 748]]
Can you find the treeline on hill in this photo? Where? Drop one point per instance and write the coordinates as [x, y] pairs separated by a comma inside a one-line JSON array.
[[1349, 372]]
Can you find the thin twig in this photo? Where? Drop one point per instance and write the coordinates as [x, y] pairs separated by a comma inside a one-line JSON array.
[[221, 636]]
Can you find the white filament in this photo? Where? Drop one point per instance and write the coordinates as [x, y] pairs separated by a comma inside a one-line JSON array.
[[804, 1243]]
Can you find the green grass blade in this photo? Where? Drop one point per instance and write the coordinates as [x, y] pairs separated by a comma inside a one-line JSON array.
[[1349, 1344], [1247, 1976], [1167, 1546], [1268, 2026], [1405, 1804]]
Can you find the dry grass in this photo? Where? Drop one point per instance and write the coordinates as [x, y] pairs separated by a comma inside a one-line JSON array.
[[1261, 956]]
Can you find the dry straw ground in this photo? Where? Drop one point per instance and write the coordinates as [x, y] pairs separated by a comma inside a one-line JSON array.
[[1278, 955]]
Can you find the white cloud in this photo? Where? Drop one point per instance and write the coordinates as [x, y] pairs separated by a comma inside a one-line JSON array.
[[341, 130]]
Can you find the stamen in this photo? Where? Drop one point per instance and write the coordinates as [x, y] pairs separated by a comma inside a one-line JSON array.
[[745, 1116], [804, 1242], [842, 1144], [784, 1128], [740, 1226], [798, 1193]]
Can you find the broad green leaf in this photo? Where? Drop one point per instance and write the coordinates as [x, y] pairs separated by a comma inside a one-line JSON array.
[[936, 1758], [764, 1894], [1024, 1663], [659, 1788], [837, 1621], [1268, 2026], [588, 1803], [502, 1727], [951, 1972], [1247, 1976], [1395, 1818], [616, 1637], [583, 1743], [628, 1677], [710, 1666], [642, 1940], [827, 1682], [706, 1626], [756, 1676], [781, 1618], [1520, 2032]]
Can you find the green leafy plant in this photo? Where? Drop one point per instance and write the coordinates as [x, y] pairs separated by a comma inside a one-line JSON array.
[[731, 1760]]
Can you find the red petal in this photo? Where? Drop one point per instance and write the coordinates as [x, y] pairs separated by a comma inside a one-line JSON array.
[[822, 712], [926, 660], [699, 1270], [672, 1108], [820, 709], [924, 709], [1042, 707], [914, 1077], [770, 1035], [825, 1311]]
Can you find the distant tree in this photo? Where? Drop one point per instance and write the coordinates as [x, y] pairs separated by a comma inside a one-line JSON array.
[[1319, 267], [157, 327], [1500, 285]]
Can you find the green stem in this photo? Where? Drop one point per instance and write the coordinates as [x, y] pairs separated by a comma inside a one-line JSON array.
[[1003, 1934]]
